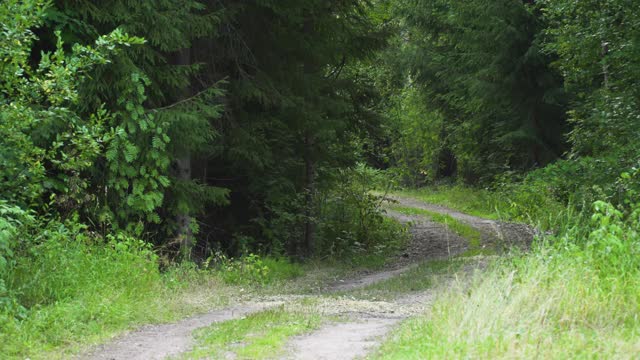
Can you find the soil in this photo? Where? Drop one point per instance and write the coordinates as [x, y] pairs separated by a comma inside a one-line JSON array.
[[162, 341], [498, 233], [365, 323]]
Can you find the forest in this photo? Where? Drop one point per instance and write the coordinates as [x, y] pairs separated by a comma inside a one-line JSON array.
[[162, 159]]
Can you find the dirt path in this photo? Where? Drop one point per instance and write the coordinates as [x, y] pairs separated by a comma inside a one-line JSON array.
[[341, 341], [162, 341], [367, 321], [494, 232], [370, 321]]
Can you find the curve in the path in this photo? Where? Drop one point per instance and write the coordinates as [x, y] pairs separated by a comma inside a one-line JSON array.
[[346, 340], [364, 331], [496, 232]]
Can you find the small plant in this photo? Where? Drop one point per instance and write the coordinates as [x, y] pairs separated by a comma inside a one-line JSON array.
[[253, 269]]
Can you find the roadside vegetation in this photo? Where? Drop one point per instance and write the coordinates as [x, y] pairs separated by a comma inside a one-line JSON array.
[[574, 296], [161, 159]]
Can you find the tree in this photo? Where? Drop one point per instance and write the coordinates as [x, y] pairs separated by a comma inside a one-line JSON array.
[[482, 69], [47, 144], [157, 133]]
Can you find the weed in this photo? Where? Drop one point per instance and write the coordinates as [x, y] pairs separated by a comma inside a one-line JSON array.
[[253, 269]]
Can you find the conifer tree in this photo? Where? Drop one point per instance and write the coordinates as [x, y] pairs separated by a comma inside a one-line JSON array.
[[289, 105], [483, 71]]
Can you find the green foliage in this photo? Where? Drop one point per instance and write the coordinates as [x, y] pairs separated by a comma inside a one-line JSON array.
[[156, 118], [351, 217], [608, 241], [479, 67], [137, 158], [253, 269], [416, 141], [46, 146]]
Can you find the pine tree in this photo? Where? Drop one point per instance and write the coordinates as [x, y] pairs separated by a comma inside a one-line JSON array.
[[482, 68]]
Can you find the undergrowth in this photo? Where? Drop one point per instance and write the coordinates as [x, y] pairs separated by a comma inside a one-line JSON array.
[[65, 290], [63, 287]]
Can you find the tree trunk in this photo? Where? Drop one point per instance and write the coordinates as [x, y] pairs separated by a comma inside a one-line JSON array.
[[310, 69], [184, 234], [605, 67], [310, 173]]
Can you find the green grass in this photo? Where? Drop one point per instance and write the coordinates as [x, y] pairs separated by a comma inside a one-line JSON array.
[[257, 270], [526, 203], [418, 278], [537, 306], [473, 201], [258, 336], [466, 231], [66, 290], [57, 330]]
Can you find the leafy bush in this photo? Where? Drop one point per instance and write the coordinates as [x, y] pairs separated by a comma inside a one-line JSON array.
[[352, 221]]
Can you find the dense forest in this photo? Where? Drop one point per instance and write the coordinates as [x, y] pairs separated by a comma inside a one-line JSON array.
[[154, 141]]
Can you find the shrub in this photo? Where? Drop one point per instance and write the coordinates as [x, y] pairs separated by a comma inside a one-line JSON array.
[[253, 269], [352, 221]]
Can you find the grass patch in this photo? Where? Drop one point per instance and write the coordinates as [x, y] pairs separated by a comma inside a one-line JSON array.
[[258, 336], [466, 231], [473, 201], [257, 270], [418, 278], [536, 306], [57, 330], [529, 203], [65, 288]]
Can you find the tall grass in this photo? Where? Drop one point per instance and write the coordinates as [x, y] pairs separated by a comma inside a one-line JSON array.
[[575, 296], [62, 288], [538, 308]]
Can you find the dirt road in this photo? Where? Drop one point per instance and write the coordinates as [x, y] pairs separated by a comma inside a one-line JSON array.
[[365, 322]]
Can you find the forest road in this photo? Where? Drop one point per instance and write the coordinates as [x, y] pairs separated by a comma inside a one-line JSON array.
[[365, 322], [368, 321]]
